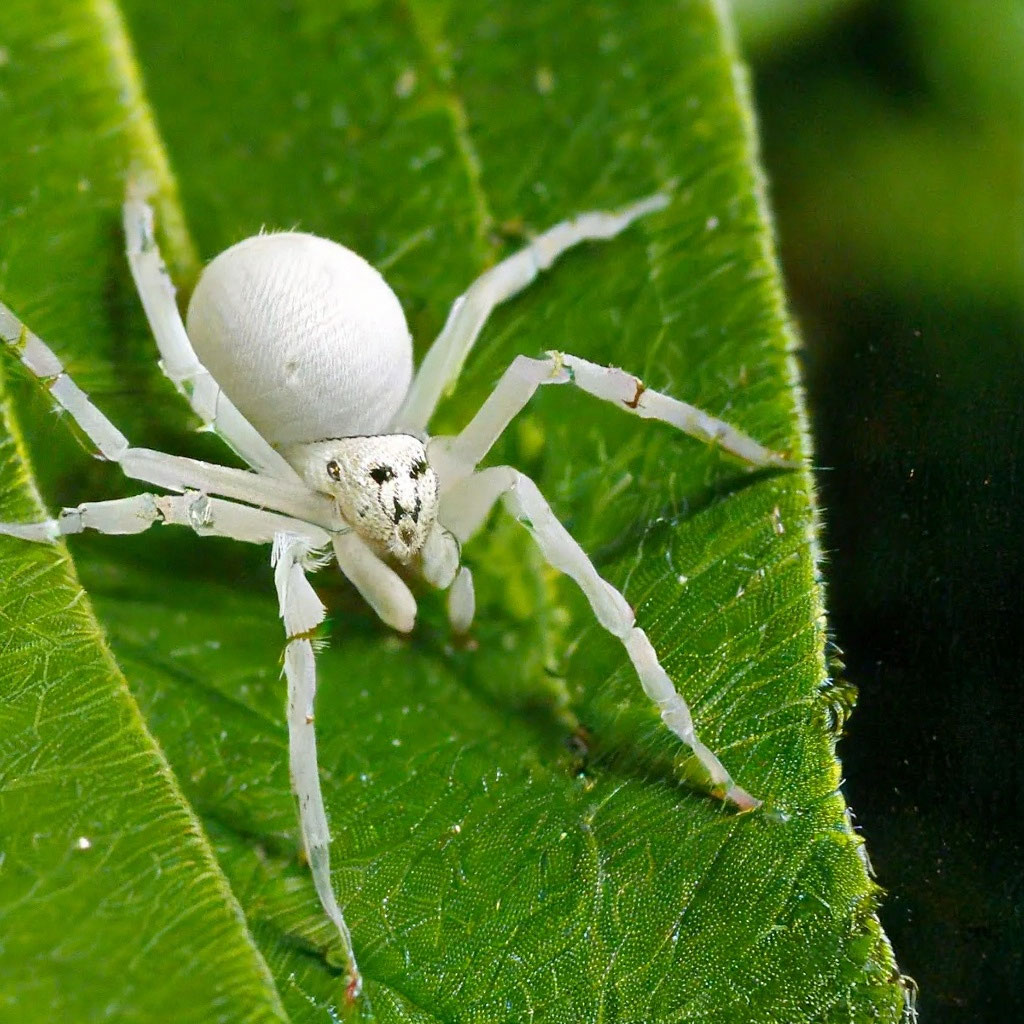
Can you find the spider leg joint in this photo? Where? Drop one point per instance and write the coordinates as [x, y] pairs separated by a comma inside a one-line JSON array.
[[641, 387]]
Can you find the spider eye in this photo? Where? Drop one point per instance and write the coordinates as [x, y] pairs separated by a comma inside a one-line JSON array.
[[382, 474], [333, 470], [419, 467]]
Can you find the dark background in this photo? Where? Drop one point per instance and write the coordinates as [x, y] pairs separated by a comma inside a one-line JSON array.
[[893, 140]]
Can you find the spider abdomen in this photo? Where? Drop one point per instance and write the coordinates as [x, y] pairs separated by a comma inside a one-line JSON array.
[[304, 336]]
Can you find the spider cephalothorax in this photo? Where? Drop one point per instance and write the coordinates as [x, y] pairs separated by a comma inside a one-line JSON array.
[[383, 485]]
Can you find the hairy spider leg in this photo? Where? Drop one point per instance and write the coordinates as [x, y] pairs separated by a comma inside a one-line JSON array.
[[302, 612], [178, 360], [443, 362]]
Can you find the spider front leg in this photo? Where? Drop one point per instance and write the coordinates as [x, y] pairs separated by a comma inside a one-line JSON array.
[[464, 507], [457, 457], [470, 311], [302, 612]]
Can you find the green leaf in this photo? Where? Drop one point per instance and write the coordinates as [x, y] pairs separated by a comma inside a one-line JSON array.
[[511, 842]]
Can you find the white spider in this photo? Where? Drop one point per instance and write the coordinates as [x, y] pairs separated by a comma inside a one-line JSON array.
[[307, 374]]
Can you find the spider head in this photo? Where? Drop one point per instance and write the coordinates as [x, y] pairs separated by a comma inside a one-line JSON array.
[[383, 485]]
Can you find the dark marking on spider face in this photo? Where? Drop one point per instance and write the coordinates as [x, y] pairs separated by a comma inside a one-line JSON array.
[[419, 467], [641, 387], [382, 474], [401, 511]]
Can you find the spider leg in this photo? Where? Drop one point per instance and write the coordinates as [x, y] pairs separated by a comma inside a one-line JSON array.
[[208, 517], [443, 363], [458, 456], [36, 355], [178, 473], [527, 504], [175, 473], [177, 357], [302, 612]]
